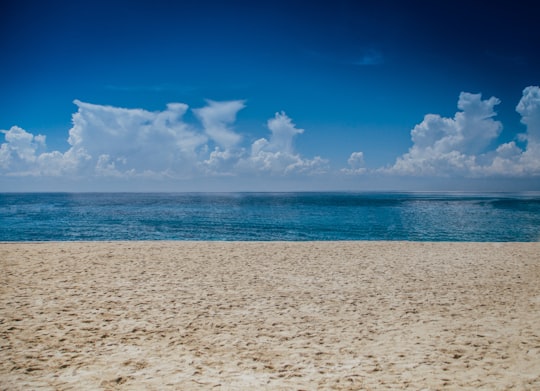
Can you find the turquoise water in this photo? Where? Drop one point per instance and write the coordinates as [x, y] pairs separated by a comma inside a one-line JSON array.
[[269, 216]]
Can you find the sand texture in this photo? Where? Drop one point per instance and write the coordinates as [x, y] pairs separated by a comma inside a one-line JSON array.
[[269, 316]]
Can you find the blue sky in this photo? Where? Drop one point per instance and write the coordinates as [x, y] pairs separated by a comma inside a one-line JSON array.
[[269, 95]]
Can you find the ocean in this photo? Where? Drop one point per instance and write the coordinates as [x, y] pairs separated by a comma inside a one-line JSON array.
[[269, 216]]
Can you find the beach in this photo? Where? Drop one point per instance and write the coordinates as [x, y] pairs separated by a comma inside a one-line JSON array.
[[269, 316]]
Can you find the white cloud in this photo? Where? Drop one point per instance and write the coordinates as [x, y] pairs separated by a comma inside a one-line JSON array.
[[457, 146], [283, 131], [24, 154], [134, 140], [115, 142], [529, 108], [356, 164], [221, 162], [217, 118], [475, 126], [20, 147], [277, 154], [448, 145]]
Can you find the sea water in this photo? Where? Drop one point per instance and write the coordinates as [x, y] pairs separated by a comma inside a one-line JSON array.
[[269, 216]]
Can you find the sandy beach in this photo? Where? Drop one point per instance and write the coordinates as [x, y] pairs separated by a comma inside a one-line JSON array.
[[269, 316]]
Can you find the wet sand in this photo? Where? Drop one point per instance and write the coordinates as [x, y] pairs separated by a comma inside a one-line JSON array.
[[269, 316]]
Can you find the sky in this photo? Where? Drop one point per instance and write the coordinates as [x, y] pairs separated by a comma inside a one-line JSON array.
[[269, 95]]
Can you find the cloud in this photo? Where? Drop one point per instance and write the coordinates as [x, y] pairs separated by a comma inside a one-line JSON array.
[[283, 131], [114, 142], [23, 154], [356, 164], [529, 108], [124, 141], [20, 147], [276, 154], [458, 146], [221, 162], [107, 141], [217, 118]]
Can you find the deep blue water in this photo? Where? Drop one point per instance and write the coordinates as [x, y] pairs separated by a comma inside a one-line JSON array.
[[269, 216]]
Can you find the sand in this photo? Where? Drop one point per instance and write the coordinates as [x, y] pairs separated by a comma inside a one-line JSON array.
[[269, 316]]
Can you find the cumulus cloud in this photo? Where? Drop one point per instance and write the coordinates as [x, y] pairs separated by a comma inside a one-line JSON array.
[[529, 108], [277, 154], [458, 145], [356, 164], [114, 142], [24, 154], [107, 141], [128, 141], [217, 118], [20, 147], [283, 131], [221, 162], [448, 145]]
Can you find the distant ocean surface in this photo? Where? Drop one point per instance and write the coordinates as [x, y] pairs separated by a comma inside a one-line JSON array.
[[269, 216]]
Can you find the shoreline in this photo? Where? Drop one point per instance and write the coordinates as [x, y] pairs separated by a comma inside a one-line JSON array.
[[344, 315]]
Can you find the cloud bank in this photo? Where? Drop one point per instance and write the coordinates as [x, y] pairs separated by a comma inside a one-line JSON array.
[[114, 142], [108, 141], [458, 146]]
